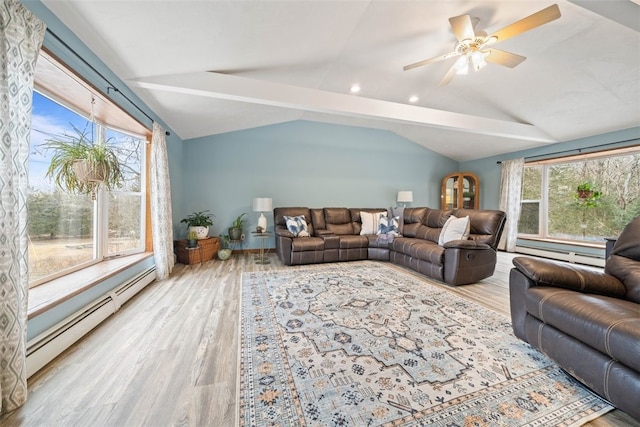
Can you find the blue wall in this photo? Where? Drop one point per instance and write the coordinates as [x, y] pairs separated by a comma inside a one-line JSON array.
[[304, 163]]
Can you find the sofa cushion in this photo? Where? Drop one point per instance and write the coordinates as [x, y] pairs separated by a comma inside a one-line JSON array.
[[351, 241], [297, 225], [454, 229], [307, 244], [486, 225], [419, 249], [280, 213], [610, 325], [338, 220], [371, 222]]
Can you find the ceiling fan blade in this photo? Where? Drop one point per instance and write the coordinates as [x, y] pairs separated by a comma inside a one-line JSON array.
[[503, 58], [462, 27], [448, 77], [430, 61], [530, 22]]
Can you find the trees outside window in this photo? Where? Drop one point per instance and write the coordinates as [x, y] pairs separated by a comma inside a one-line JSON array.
[[69, 231], [552, 207]]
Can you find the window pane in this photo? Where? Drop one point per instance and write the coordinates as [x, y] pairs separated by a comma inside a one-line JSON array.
[[129, 150], [529, 218], [125, 228], [60, 225], [60, 232], [532, 183]]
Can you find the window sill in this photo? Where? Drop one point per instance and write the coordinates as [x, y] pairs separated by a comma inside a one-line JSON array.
[[57, 291]]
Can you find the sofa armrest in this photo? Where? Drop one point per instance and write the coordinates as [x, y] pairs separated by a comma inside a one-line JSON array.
[[576, 278], [323, 232], [466, 244], [284, 233]]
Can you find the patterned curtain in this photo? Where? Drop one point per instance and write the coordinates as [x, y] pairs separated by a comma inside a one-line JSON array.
[[161, 218], [510, 197], [21, 35]]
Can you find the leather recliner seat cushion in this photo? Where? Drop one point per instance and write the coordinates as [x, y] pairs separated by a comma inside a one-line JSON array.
[[353, 241], [420, 249], [610, 325], [304, 244]]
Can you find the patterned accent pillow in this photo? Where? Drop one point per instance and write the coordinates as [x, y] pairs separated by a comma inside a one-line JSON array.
[[371, 222], [389, 226], [455, 229], [297, 225]]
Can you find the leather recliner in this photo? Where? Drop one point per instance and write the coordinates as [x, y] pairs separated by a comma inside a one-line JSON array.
[[586, 320]]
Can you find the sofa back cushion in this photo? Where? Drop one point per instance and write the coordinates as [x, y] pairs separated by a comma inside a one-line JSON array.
[[338, 220], [317, 218], [486, 225], [624, 262], [280, 213], [356, 218], [413, 218]]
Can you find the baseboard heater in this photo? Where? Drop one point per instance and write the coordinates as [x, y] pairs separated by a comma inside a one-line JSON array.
[[568, 256], [49, 344]]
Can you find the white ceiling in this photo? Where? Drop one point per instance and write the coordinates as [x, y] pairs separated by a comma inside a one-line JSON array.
[[209, 67]]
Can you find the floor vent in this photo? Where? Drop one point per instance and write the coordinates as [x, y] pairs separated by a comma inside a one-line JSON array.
[[49, 344]]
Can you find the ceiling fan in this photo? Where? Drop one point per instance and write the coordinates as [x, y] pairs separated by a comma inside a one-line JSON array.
[[474, 49]]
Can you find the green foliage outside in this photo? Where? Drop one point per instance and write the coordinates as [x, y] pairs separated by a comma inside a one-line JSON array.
[[615, 201]]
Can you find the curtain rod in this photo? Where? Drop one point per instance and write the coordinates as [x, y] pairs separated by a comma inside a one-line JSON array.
[[579, 150], [111, 85]]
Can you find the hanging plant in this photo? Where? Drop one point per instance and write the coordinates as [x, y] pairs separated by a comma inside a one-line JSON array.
[[79, 165], [586, 196]]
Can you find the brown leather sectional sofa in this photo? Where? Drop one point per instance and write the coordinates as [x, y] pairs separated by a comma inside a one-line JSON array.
[[587, 321], [334, 235]]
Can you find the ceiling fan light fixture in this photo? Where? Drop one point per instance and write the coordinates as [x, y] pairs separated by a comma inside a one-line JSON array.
[[462, 65], [477, 58]]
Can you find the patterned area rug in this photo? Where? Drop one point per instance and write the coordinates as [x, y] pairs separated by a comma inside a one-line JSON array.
[[365, 344]]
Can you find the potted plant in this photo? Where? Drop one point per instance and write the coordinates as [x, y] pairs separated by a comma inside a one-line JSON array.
[[199, 222], [192, 239], [79, 165], [224, 253], [586, 196], [235, 231], [467, 195]]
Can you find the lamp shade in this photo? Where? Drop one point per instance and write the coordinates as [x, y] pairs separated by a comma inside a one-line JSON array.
[[262, 204], [405, 196]]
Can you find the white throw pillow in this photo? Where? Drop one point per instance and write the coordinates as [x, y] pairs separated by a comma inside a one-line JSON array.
[[370, 222], [455, 229]]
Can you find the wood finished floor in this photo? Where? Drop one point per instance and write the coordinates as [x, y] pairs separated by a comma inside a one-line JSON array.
[[169, 356]]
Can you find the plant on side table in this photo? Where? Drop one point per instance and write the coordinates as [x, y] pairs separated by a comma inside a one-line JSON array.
[[235, 231], [199, 222]]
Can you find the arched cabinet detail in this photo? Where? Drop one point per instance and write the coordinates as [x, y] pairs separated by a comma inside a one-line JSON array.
[[460, 190]]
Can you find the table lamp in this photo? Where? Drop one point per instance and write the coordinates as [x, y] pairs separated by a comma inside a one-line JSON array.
[[262, 204], [405, 197]]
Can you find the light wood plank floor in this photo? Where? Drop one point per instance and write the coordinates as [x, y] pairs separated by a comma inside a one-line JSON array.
[[169, 356]]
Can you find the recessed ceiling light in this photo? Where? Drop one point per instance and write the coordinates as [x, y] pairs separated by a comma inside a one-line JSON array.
[[413, 99], [355, 88]]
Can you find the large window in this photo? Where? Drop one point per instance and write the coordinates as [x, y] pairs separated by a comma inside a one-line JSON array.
[[66, 231], [552, 207]]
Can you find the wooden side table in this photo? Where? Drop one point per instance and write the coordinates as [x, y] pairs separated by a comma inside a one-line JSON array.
[[206, 250]]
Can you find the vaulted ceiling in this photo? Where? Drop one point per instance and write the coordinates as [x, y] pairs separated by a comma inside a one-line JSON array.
[[209, 67]]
